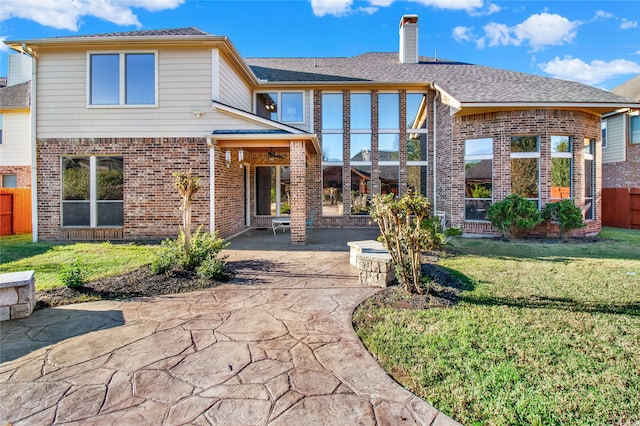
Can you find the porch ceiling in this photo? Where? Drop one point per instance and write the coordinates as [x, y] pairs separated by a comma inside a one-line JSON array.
[[259, 142]]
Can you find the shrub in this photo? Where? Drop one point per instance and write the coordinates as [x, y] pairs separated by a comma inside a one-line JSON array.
[[73, 274], [203, 246], [407, 229], [214, 268], [566, 213], [514, 215]]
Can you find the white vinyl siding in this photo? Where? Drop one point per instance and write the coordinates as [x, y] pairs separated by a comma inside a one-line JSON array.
[[15, 149], [615, 150], [184, 86], [233, 90]]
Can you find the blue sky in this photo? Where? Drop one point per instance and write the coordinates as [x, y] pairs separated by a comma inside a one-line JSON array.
[[594, 42]]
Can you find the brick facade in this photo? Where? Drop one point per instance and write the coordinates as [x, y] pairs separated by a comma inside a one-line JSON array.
[[624, 174], [501, 126], [23, 175], [151, 203]]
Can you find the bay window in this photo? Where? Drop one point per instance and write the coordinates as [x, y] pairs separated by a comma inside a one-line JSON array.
[[560, 167], [525, 167], [478, 178]]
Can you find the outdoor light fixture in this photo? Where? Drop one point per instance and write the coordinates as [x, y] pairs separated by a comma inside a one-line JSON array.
[[198, 113], [227, 158], [240, 157]]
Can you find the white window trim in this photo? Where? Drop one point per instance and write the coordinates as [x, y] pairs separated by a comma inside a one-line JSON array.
[[279, 94], [122, 76], [478, 157]]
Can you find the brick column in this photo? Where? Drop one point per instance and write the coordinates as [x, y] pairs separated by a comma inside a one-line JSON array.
[[298, 193]]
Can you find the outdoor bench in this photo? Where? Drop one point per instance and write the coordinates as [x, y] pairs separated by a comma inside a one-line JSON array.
[[373, 262], [17, 295]]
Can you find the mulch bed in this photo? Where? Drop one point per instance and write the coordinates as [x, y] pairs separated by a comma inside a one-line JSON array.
[[444, 290], [138, 283]]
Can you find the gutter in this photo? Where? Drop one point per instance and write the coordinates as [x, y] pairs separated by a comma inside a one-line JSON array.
[[34, 156], [435, 151]]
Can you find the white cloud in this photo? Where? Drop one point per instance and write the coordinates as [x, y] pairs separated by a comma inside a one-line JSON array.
[[331, 7], [601, 14], [66, 14], [546, 29], [468, 5], [592, 73], [499, 35], [344, 7], [626, 24], [461, 33], [381, 3], [3, 47], [538, 31]]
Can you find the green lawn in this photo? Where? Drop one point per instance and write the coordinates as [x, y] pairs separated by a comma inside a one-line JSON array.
[[18, 253], [545, 334]]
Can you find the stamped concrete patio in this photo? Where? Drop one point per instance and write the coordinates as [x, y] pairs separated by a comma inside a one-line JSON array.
[[273, 347]]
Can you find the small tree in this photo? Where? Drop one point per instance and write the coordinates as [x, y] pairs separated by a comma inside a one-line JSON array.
[[407, 229], [187, 185], [514, 215], [566, 213]]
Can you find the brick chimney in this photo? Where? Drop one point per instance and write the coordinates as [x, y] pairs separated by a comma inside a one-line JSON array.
[[409, 39]]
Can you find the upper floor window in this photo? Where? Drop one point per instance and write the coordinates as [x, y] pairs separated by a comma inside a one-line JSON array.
[[389, 111], [122, 79], [634, 129], [286, 107], [603, 126], [1, 120]]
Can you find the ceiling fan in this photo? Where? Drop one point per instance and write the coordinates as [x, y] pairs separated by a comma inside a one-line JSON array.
[[272, 155]]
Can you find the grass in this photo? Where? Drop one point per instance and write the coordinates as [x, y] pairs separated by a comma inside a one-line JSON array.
[[544, 334], [18, 253]]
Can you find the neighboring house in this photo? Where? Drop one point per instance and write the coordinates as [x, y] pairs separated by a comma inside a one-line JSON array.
[[118, 113], [15, 125], [621, 160]]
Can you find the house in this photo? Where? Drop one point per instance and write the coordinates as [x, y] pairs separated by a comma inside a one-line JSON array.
[[621, 161], [118, 114], [15, 124]]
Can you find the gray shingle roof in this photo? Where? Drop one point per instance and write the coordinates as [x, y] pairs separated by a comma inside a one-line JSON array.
[[16, 97], [171, 32], [629, 89], [467, 83]]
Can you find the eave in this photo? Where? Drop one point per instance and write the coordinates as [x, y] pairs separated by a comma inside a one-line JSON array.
[[588, 107], [36, 46]]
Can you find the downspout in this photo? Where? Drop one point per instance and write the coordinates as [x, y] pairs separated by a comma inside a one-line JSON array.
[[435, 140], [34, 156]]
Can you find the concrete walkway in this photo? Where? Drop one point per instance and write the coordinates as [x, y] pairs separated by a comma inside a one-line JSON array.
[[274, 347]]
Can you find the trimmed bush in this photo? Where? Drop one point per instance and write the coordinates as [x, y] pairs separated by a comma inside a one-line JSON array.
[[407, 229], [566, 214], [203, 247], [514, 215], [73, 274], [214, 269]]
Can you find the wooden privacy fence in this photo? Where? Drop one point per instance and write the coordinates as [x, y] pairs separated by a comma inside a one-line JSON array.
[[621, 207], [15, 211]]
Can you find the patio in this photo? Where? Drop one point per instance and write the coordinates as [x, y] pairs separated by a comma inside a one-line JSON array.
[[275, 346]]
